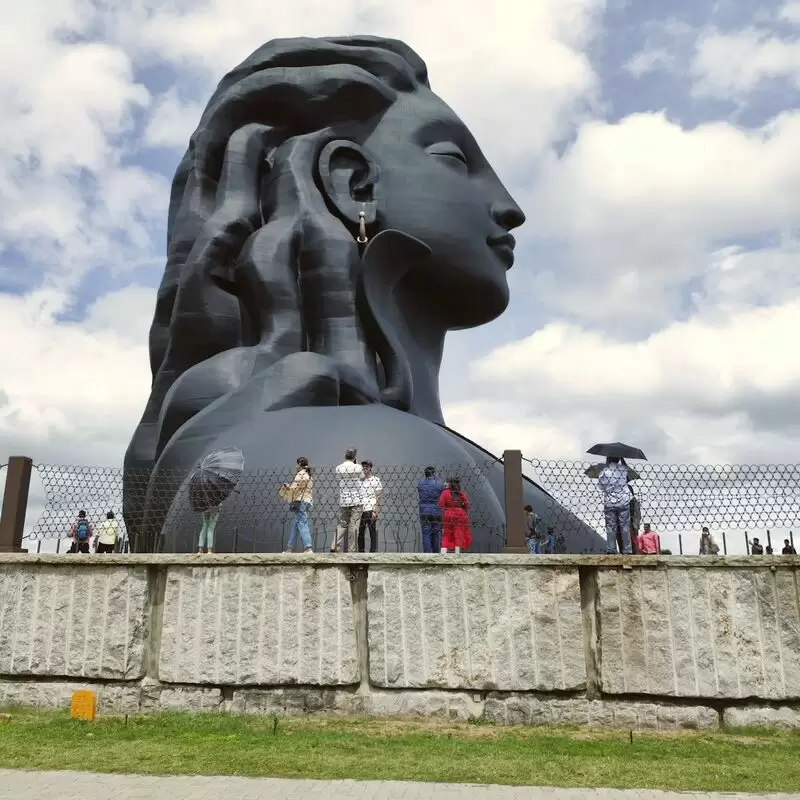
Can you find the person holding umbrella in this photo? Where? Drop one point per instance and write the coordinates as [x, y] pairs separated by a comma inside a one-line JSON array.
[[210, 485], [617, 495], [594, 471]]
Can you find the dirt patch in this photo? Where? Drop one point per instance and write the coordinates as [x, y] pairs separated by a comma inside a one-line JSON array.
[[405, 726]]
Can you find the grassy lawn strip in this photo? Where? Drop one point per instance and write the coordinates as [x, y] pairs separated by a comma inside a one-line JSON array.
[[216, 744]]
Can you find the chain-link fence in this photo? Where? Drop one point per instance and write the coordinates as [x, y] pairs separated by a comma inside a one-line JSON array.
[[738, 503], [254, 517]]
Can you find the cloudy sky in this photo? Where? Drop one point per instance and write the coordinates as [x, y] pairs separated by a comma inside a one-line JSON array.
[[653, 146]]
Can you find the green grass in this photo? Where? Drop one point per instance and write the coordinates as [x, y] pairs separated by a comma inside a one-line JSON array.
[[216, 744]]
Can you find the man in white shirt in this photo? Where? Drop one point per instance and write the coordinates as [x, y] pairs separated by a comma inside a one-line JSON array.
[[371, 490], [350, 474], [617, 496]]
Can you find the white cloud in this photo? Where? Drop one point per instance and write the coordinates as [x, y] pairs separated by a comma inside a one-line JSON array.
[[68, 200], [637, 207], [73, 390], [172, 121], [732, 65], [670, 311], [791, 12], [527, 59], [699, 390]]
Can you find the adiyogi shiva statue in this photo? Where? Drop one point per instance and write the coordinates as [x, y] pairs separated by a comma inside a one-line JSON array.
[[330, 222]]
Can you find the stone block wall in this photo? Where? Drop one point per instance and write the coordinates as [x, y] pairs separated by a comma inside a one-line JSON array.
[[258, 625], [720, 633], [66, 620], [475, 627], [646, 643]]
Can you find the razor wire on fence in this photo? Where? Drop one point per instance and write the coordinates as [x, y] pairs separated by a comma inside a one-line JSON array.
[[155, 514]]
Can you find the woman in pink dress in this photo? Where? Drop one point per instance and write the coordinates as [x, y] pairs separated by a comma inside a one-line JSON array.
[[455, 521]]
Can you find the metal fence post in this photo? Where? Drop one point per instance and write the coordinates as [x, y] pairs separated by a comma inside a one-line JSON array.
[[515, 513], [769, 540], [724, 544], [15, 504], [746, 543], [680, 543]]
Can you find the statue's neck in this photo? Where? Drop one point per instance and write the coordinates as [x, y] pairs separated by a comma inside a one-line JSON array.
[[422, 337]]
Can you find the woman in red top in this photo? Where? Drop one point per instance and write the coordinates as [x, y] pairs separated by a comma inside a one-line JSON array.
[[455, 522]]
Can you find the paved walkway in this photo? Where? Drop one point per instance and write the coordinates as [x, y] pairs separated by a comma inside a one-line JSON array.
[[89, 786]]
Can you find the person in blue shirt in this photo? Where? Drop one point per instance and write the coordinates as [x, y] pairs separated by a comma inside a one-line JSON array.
[[430, 489]]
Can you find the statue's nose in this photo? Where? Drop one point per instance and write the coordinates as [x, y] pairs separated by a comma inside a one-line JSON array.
[[507, 213]]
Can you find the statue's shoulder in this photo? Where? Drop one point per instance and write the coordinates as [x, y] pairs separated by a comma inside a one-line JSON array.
[[274, 439]]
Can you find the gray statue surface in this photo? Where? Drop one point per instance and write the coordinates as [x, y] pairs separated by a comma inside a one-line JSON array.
[[330, 222]]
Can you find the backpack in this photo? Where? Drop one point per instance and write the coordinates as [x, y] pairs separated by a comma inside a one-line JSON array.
[[82, 530]]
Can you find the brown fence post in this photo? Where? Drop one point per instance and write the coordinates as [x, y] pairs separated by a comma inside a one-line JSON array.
[[15, 504], [515, 514]]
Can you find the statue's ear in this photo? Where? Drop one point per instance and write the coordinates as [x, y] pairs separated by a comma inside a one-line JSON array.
[[349, 177]]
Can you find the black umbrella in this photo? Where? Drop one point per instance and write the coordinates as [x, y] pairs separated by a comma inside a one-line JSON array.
[[617, 450], [595, 469], [216, 478]]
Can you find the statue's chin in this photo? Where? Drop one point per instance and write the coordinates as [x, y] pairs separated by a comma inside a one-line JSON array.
[[479, 300]]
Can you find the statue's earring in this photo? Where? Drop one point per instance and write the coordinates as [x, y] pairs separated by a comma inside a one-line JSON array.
[[362, 225]]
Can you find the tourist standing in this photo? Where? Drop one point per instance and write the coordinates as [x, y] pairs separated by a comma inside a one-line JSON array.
[[636, 517], [455, 520], [788, 548], [617, 497], [81, 534], [430, 489], [708, 547], [530, 529], [107, 534], [371, 491], [547, 544], [299, 495], [205, 542], [349, 473], [649, 542], [756, 548]]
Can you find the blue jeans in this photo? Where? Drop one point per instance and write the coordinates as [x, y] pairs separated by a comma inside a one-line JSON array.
[[300, 526], [431, 532], [618, 516]]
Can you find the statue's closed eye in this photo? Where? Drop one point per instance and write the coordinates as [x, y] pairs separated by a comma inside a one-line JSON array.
[[448, 150]]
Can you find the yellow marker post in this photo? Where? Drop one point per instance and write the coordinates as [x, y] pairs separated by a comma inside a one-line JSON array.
[[83, 705]]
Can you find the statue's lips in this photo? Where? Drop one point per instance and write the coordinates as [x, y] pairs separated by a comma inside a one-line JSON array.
[[504, 247]]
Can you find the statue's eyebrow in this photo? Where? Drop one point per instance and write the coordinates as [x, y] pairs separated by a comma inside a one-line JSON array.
[[439, 130]]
